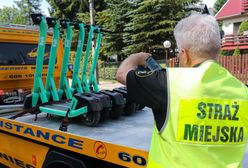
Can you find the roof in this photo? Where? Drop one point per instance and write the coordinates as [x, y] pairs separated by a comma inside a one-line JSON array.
[[229, 9]]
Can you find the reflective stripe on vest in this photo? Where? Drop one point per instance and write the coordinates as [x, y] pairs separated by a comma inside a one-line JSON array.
[[207, 120]]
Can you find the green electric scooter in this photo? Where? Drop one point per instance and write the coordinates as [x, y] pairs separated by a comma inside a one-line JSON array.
[[76, 86], [116, 99], [78, 106], [64, 91], [51, 91], [129, 107]]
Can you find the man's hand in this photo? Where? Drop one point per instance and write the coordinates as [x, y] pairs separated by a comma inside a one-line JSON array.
[[131, 63]]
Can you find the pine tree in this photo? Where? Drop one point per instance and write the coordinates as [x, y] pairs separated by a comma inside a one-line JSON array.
[[67, 9], [152, 23], [218, 5], [114, 18], [71, 8]]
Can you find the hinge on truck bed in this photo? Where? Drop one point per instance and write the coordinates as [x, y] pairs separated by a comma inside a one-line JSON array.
[[65, 122]]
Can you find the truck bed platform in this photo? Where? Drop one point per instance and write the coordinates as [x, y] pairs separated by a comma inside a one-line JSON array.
[[134, 131], [129, 136]]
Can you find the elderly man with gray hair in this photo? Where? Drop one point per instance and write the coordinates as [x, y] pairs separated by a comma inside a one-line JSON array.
[[199, 109]]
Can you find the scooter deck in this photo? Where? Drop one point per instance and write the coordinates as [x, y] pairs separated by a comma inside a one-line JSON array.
[[61, 110], [61, 107]]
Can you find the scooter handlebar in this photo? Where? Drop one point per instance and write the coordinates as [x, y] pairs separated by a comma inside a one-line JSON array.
[[51, 21], [63, 23], [36, 18]]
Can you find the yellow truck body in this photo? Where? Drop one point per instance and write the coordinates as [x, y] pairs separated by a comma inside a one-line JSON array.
[[18, 51]]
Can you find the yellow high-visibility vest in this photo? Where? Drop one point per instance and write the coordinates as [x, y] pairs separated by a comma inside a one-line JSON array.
[[207, 119]]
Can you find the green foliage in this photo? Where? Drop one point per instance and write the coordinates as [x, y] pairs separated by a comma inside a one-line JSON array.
[[139, 25], [107, 70], [218, 5], [115, 18], [236, 51], [26, 7], [67, 9], [21, 14], [224, 53], [74, 10], [152, 22], [10, 15], [70, 8], [243, 27]]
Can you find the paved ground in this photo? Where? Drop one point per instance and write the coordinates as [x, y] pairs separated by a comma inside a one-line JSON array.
[[109, 85], [106, 84]]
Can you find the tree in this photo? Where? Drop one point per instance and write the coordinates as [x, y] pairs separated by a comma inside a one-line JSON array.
[[26, 7], [114, 18], [152, 23], [243, 27], [67, 9], [70, 8], [10, 15], [218, 5]]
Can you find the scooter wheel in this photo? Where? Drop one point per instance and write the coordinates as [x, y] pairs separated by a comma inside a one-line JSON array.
[[28, 104], [91, 119], [105, 115], [116, 112], [139, 107], [129, 109]]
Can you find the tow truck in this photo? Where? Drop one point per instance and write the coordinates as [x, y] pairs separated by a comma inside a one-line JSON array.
[[28, 141], [39, 143], [18, 51]]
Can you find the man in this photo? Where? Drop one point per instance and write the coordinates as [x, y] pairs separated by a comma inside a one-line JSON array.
[[199, 109]]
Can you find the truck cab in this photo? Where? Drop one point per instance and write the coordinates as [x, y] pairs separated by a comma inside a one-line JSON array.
[[18, 51]]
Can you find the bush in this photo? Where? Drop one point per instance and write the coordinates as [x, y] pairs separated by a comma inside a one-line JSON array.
[[243, 27], [236, 52], [225, 52], [222, 52], [107, 70]]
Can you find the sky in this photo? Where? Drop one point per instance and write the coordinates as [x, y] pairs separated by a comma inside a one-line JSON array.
[[45, 5], [209, 3]]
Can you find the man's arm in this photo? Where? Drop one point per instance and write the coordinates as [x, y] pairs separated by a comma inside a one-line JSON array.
[[129, 64]]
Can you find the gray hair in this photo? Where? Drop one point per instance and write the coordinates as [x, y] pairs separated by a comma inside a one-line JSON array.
[[200, 35]]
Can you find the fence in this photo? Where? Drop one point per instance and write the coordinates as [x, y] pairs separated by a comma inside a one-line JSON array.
[[107, 70], [236, 65]]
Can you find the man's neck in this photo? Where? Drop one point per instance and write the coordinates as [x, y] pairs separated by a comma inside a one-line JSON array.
[[198, 62]]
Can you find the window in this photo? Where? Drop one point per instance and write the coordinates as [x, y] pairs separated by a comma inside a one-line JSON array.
[[236, 27], [21, 54]]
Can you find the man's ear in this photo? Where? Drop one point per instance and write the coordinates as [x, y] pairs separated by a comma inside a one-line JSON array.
[[187, 60]]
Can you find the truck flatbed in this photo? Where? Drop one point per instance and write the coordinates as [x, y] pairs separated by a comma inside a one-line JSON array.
[[129, 136], [133, 131]]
